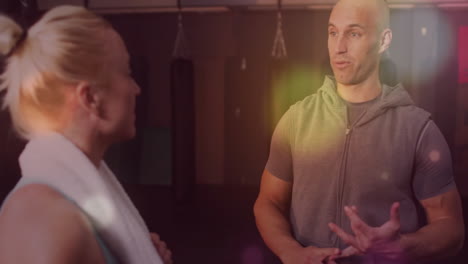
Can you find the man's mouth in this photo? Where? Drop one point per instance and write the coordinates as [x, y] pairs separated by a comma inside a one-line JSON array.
[[341, 64]]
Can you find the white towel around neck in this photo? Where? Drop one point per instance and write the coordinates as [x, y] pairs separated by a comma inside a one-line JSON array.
[[54, 160]]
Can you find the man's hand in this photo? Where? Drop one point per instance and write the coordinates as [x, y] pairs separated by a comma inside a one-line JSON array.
[[382, 241], [161, 247], [310, 255]]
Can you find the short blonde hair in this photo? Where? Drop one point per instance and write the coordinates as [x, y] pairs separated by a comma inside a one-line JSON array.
[[64, 47]]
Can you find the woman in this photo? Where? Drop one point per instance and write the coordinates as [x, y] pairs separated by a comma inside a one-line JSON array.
[[70, 94]]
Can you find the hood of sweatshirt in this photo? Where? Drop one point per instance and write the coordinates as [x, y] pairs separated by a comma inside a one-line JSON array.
[[391, 97]]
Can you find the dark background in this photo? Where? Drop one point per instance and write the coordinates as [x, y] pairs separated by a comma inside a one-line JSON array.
[[238, 94]]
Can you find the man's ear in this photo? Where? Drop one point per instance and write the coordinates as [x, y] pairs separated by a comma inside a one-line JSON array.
[[88, 98], [386, 39]]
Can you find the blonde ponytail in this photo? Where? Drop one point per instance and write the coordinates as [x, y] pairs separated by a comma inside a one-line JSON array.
[[10, 35]]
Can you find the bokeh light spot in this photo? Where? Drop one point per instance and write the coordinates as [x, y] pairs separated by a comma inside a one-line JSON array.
[[434, 156], [252, 255], [385, 176]]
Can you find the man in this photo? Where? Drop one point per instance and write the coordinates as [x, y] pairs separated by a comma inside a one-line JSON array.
[[357, 173]]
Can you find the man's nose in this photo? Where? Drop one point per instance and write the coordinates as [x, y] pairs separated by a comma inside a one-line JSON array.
[[341, 45]]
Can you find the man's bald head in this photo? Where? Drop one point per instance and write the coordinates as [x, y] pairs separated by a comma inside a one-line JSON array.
[[374, 12]]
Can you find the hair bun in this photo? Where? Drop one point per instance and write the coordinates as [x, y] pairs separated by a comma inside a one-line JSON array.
[[10, 34]]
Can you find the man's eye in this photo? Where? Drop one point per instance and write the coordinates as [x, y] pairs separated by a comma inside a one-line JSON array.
[[332, 33], [355, 34]]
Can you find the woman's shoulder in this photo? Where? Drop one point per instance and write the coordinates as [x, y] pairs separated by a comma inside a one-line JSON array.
[[38, 202], [38, 223]]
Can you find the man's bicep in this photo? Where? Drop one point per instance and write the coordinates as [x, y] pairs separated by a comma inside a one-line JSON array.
[[275, 190], [443, 206]]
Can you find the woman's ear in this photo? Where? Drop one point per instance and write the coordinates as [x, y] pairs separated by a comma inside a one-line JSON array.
[[386, 39], [88, 98]]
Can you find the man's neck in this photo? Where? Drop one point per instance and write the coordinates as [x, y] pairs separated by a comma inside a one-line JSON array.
[[362, 92]]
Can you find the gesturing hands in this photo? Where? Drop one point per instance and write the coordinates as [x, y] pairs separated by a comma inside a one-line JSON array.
[[383, 241], [161, 248]]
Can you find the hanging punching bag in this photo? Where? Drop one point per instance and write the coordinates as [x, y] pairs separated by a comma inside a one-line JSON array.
[[183, 118], [183, 128]]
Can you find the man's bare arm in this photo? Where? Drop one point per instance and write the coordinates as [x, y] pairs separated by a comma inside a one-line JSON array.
[[444, 234], [272, 217], [271, 214]]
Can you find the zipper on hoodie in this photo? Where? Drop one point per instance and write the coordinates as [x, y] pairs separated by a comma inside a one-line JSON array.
[[341, 180], [342, 174]]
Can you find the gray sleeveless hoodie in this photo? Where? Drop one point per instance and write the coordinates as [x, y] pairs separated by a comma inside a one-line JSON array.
[[368, 164]]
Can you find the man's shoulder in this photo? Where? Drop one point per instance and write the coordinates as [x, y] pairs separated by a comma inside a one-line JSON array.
[[305, 104], [413, 113], [398, 100], [324, 94]]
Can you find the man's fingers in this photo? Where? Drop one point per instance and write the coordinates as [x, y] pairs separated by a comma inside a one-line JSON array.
[[357, 224], [395, 213], [347, 238], [326, 252], [349, 251]]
